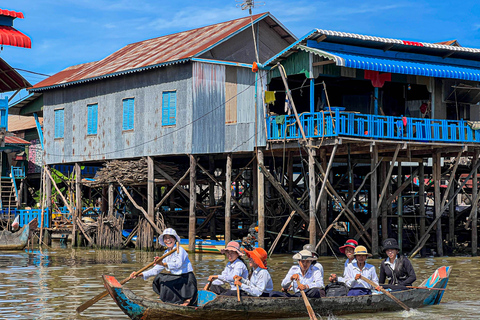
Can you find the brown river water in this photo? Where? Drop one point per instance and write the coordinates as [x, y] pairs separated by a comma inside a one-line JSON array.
[[52, 283]]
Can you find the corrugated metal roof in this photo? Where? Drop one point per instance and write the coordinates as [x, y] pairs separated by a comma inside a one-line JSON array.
[[153, 53], [15, 140], [12, 37], [10, 13], [396, 65], [20, 123], [10, 79]]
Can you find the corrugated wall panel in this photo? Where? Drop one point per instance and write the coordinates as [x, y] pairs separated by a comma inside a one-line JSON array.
[[111, 142], [208, 108]]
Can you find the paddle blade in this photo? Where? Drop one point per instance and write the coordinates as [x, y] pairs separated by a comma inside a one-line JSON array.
[[91, 302]]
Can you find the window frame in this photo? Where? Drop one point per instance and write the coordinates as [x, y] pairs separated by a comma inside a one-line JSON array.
[[59, 128], [168, 108], [128, 116], [91, 122]]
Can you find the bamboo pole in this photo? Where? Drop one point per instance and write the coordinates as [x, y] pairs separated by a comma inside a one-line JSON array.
[[192, 220], [228, 197]]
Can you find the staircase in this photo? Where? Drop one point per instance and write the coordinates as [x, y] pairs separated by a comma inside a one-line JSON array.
[[8, 194]]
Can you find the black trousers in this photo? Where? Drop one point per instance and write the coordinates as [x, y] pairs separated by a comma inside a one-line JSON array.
[[176, 289]]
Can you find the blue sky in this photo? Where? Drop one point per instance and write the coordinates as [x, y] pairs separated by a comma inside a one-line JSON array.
[[67, 32]]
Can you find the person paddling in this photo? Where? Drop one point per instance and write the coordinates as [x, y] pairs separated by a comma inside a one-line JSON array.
[[309, 276], [260, 282], [396, 267], [234, 267], [347, 249], [355, 270], [180, 285]]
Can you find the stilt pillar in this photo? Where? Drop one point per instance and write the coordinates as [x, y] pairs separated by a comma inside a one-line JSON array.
[[111, 199], [78, 198], [193, 203], [261, 200], [438, 201], [400, 206], [228, 199], [311, 185], [475, 207], [290, 191], [383, 207], [323, 202], [421, 200], [374, 200]]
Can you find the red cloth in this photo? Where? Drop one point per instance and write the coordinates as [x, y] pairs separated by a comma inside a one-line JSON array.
[[378, 79]]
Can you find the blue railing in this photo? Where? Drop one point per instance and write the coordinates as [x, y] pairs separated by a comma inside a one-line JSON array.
[[18, 172], [340, 123]]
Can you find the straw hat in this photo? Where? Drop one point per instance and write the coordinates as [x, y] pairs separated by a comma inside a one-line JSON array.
[[232, 246], [259, 255], [170, 232], [304, 255], [361, 250], [351, 243]]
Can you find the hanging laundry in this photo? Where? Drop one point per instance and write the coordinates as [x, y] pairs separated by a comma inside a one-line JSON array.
[[288, 106], [269, 97]]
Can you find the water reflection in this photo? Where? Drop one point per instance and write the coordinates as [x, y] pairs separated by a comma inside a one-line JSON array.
[[51, 284]]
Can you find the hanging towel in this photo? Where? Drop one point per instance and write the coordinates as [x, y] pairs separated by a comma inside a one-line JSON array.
[[288, 107], [280, 119], [269, 97]]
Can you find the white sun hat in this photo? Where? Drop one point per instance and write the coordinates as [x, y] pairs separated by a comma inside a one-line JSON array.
[[170, 232]]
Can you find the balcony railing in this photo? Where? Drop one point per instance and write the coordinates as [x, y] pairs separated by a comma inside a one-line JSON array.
[[342, 123]]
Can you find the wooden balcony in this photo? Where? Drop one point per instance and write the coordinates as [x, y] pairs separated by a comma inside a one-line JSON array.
[[350, 124]]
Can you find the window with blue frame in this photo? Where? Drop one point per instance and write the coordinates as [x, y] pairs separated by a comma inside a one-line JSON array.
[[128, 114], [59, 124], [92, 118], [169, 108]]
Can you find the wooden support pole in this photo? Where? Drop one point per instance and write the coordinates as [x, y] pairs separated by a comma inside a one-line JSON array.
[[290, 191], [192, 220], [48, 192], [43, 206], [451, 217], [261, 199], [78, 197], [421, 197], [325, 174], [150, 188], [373, 199], [389, 175], [475, 209], [436, 181], [165, 197], [211, 194], [383, 207], [228, 198], [323, 203], [400, 207], [311, 186], [111, 199]]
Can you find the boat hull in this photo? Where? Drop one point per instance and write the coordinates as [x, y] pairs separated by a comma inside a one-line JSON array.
[[14, 241], [267, 308]]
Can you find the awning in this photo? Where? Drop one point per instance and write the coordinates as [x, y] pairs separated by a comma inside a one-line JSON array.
[[396, 65], [12, 37]]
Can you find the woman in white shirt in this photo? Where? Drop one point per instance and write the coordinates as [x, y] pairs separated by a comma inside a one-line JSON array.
[[234, 267], [355, 270], [180, 285], [260, 282], [310, 277]]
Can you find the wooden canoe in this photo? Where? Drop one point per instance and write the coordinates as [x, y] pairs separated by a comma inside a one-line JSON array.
[[14, 240], [211, 306]]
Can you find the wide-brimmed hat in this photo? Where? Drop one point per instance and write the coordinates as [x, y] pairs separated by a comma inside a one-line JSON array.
[[351, 243], [310, 247], [304, 255], [170, 232], [361, 250], [232, 246], [259, 255], [390, 243]]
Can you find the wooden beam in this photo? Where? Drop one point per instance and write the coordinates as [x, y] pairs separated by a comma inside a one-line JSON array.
[[436, 181], [228, 198], [421, 197], [324, 205], [145, 214], [111, 199], [373, 198], [474, 211], [150, 188], [402, 187], [192, 220], [389, 174], [171, 190], [311, 187], [322, 63]]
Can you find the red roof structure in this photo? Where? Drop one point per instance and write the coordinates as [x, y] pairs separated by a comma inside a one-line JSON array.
[[15, 140], [8, 34], [158, 52]]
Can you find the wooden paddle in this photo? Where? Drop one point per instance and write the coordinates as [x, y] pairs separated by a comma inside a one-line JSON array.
[[311, 313], [207, 286], [102, 295], [391, 296], [238, 293], [427, 288]]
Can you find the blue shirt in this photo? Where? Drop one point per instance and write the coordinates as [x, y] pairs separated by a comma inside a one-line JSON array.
[[177, 263], [260, 282], [368, 272], [235, 268], [313, 277]]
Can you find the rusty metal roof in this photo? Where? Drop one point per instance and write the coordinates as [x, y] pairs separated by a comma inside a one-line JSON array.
[[20, 123], [158, 52], [15, 140], [10, 79]]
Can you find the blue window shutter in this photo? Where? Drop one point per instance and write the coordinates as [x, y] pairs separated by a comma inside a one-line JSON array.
[[128, 114], [59, 126], [169, 108], [173, 107], [92, 115]]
